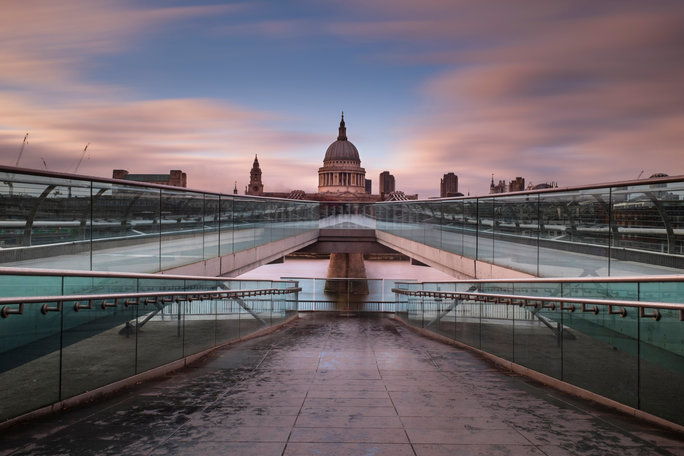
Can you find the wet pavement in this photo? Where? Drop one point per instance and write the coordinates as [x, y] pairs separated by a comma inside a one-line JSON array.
[[332, 385]]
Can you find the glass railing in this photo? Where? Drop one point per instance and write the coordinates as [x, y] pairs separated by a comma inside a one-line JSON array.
[[624, 229], [60, 221], [73, 334], [348, 295], [622, 339], [52, 220], [346, 215]]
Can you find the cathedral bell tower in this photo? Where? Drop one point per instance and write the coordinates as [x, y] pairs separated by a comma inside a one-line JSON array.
[[255, 186]]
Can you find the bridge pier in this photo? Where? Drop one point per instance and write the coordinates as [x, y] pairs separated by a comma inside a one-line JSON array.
[[344, 266]]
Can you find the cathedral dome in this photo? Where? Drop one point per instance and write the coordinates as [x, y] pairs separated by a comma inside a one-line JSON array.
[[341, 172], [342, 149]]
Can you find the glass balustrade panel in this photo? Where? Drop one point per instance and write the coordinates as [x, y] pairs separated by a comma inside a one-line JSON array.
[[98, 343], [126, 228], [600, 352], [646, 221], [497, 321], [199, 325], [29, 359], [46, 222], [226, 225], [160, 335], [516, 233], [182, 228], [211, 226], [661, 352], [452, 236], [245, 224], [539, 331]]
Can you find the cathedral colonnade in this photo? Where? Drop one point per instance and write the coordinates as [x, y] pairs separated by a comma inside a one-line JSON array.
[[344, 179]]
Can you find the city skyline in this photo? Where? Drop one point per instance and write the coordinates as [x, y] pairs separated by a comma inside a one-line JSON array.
[[574, 92]]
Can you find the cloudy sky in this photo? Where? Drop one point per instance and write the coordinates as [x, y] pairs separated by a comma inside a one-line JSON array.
[[573, 91]]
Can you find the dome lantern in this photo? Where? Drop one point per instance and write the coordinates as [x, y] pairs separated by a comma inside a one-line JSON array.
[[342, 136]]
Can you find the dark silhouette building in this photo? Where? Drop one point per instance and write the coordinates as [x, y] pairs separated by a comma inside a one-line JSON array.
[[387, 184], [255, 187], [501, 187], [448, 185], [542, 186], [175, 178], [369, 186], [517, 185]]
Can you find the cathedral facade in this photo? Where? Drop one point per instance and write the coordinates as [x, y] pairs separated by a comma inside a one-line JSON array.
[[341, 172], [341, 178]]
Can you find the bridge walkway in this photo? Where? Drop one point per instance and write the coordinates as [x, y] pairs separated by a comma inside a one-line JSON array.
[[335, 385]]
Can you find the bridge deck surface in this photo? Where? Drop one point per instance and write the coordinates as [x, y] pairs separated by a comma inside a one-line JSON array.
[[330, 385]]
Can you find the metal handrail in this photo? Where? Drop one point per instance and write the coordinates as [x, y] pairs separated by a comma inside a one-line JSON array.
[[538, 301], [125, 275], [645, 278], [127, 299]]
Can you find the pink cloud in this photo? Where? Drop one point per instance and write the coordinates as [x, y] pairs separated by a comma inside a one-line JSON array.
[[571, 91], [214, 142], [576, 91], [45, 48]]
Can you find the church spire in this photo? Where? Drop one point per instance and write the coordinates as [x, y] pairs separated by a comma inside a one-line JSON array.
[[342, 136], [255, 187]]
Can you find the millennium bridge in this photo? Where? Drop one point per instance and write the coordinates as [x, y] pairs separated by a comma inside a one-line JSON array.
[[124, 330]]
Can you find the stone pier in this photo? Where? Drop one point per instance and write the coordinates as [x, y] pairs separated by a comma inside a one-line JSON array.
[[345, 266]]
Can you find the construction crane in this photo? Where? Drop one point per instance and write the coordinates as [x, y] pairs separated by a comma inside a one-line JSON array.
[[85, 149], [21, 151]]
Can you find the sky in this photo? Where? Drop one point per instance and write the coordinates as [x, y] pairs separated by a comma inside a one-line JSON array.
[[571, 91]]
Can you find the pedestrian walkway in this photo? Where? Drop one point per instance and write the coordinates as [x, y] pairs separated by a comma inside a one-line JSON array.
[[332, 385]]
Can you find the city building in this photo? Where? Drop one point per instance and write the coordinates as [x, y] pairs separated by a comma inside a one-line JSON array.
[[175, 178], [341, 178], [386, 183], [341, 172], [448, 185], [517, 185], [542, 186], [501, 187], [255, 187]]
